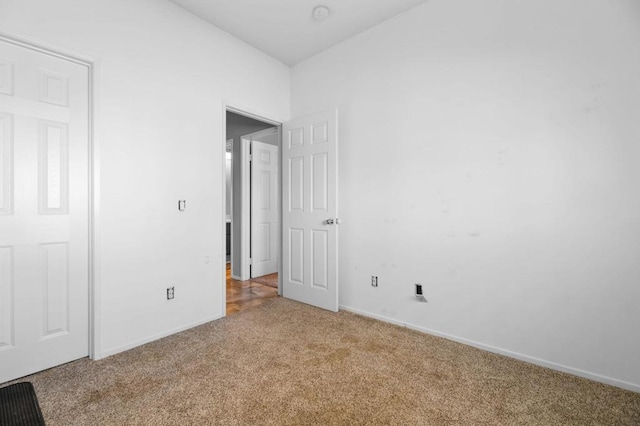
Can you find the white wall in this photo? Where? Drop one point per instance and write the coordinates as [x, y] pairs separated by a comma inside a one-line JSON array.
[[162, 78], [490, 151]]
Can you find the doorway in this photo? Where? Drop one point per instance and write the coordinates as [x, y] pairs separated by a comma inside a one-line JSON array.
[[252, 212]]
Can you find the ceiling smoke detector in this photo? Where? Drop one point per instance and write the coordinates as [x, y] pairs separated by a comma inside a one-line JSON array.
[[320, 13]]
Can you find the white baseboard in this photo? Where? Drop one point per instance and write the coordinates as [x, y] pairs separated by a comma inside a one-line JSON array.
[[532, 360], [158, 336]]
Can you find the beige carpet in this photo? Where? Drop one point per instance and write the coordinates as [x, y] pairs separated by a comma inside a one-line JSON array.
[[288, 363]]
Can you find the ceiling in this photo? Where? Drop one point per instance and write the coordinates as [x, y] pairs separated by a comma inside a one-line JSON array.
[[286, 30]]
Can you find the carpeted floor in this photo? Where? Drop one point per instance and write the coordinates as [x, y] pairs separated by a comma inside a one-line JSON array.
[[288, 363]]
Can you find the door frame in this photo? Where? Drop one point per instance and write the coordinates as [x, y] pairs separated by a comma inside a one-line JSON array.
[[93, 181], [231, 257], [229, 106]]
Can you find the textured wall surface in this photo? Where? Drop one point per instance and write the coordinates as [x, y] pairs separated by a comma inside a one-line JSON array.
[[162, 77], [489, 150]]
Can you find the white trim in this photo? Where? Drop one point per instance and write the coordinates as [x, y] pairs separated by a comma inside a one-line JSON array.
[[245, 203], [96, 288], [280, 188], [158, 336], [249, 113], [526, 358], [94, 243], [230, 218], [223, 215], [29, 42]]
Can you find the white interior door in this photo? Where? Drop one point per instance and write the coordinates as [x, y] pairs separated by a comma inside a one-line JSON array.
[[310, 210], [44, 211], [265, 214]]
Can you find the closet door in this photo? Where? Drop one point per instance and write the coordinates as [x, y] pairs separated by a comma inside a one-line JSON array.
[[44, 211]]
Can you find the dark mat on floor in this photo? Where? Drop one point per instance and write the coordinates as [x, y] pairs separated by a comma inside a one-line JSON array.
[[19, 406]]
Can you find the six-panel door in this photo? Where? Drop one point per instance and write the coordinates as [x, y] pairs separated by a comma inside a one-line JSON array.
[[310, 202], [265, 212], [44, 211]]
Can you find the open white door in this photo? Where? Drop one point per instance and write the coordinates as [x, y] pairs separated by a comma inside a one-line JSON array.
[[265, 213], [310, 210], [44, 211]]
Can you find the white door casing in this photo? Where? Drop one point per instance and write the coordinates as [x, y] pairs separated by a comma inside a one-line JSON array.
[[44, 211], [310, 210], [265, 213]]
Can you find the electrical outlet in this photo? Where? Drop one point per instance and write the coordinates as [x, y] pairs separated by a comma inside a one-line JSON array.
[[170, 293], [419, 295], [374, 281]]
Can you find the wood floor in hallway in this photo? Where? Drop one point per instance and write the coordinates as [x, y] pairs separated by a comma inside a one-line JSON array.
[[243, 295]]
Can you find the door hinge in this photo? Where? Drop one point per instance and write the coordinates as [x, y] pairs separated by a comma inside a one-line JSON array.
[[250, 157], [250, 261]]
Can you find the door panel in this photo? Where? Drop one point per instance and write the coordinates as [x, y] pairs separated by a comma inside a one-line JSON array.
[[310, 248], [53, 168], [265, 214], [6, 163], [295, 264], [54, 262], [44, 211]]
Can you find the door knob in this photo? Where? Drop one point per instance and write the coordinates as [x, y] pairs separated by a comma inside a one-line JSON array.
[[329, 221]]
